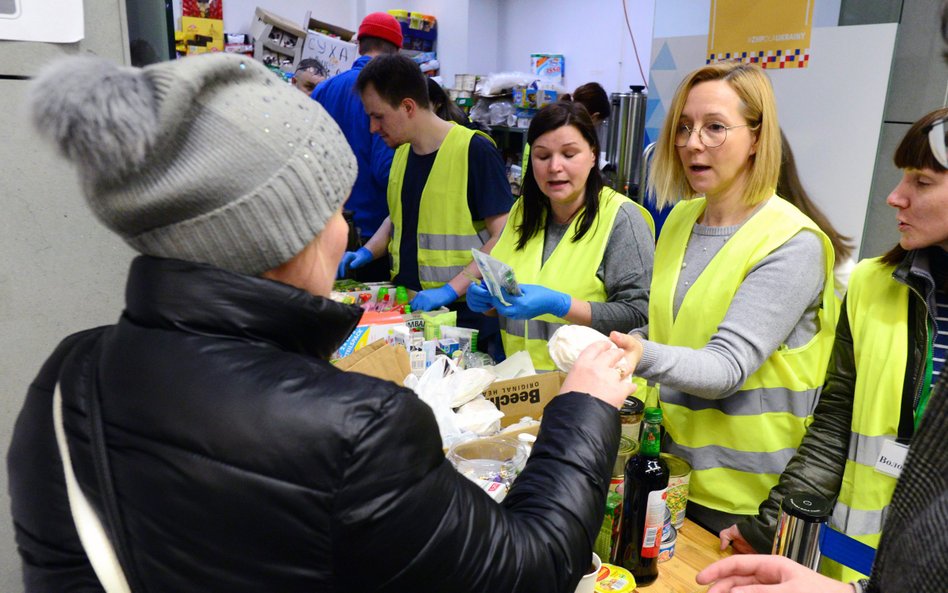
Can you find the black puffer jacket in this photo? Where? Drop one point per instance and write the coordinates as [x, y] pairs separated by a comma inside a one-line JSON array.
[[817, 467], [244, 462]]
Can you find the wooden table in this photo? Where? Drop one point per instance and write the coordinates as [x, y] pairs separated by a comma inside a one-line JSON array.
[[694, 550]]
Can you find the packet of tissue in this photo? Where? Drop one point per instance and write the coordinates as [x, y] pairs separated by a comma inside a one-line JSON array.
[[496, 275]]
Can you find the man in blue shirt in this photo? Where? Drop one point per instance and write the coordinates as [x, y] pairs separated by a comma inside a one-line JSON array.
[[378, 34]]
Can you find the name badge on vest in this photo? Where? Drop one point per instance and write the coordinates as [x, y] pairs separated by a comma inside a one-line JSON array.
[[892, 458]]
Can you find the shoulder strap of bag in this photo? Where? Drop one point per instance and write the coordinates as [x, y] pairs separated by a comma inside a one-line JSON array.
[[92, 534]]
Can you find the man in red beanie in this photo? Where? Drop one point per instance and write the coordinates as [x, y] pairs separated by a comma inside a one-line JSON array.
[[379, 34]]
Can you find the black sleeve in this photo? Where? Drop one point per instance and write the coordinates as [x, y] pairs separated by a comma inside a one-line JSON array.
[[46, 538], [451, 535], [488, 191], [820, 460]]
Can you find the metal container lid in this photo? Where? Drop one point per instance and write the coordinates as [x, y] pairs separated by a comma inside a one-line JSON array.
[[812, 508], [632, 406]]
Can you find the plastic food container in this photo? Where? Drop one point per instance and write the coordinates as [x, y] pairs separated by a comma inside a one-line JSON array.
[[496, 459], [614, 579], [679, 475]]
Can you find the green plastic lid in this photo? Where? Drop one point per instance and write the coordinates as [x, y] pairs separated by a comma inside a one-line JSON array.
[[653, 415]]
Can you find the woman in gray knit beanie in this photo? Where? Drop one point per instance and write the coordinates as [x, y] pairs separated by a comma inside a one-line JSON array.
[[214, 444]]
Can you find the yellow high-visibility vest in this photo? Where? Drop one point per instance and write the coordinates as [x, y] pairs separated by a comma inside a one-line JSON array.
[[446, 231], [571, 269], [739, 445], [877, 308]]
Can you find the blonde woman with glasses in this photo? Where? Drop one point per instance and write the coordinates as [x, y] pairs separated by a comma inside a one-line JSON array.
[[742, 310]]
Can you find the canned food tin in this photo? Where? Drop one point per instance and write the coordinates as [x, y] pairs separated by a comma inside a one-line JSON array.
[[667, 525], [679, 475], [627, 448], [667, 549], [614, 579]]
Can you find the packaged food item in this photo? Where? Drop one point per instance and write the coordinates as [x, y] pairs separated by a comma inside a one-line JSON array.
[[627, 448], [465, 336], [604, 545], [630, 417], [435, 320], [667, 550], [679, 475], [614, 579]]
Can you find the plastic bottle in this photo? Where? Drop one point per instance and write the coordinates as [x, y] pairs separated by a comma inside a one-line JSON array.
[[643, 504]]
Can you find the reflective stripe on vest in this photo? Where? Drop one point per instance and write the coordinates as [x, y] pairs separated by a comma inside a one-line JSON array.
[[446, 232], [877, 309], [742, 442], [582, 259]]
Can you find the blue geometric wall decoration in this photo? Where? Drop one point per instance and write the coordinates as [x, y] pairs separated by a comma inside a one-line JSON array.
[[664, 59]]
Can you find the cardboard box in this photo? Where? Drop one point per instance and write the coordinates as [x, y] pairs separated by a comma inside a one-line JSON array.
[[380, 360], [311, 24], [202, 35], [526, 396], [516, 398]]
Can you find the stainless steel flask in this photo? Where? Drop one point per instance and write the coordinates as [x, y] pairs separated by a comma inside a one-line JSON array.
[[802, 516]]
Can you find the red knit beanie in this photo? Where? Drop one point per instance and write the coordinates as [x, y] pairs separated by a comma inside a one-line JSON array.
[[381, 25]]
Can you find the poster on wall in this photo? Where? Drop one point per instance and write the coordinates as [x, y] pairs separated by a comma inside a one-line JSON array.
[[771, 33], [334, 53], [51, 21]]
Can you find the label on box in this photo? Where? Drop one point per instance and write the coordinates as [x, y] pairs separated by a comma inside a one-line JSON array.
[[524, 396], [549, 67]]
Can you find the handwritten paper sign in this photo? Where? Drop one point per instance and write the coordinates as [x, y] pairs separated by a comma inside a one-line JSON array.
[[337, 55]]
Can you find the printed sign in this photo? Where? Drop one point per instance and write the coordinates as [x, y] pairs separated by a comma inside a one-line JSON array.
[[337, 55], [771, 33]]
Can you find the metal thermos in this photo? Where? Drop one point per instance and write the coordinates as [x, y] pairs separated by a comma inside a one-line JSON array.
[[624, 141], [802, 516]]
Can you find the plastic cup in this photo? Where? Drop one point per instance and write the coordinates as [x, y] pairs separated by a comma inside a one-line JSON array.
[[587, 584]]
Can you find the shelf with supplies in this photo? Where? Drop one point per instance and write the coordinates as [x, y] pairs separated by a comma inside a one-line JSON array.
[[276, 40]]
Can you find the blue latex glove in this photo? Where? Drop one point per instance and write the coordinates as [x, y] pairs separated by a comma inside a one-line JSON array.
[[352, 260], [426, 300], [535, 300], [479, 298]]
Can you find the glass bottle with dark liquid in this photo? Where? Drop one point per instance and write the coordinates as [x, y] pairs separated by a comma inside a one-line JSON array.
[[643, 504]]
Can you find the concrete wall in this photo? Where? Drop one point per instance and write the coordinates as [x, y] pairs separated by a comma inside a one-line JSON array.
[[61, 271]]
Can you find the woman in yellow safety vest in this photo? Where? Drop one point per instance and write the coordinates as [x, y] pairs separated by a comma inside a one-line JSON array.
[[556, 239], [742, 310], [890, 346]]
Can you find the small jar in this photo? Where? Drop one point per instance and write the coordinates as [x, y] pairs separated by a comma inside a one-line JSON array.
[[630, 416]]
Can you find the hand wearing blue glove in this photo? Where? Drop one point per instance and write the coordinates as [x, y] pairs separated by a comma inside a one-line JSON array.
[[535, 300], [433, 298], [352, 260], [479, 298]]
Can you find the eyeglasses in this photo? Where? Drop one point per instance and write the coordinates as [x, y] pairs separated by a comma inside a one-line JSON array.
[[938, 141], [711, 135]]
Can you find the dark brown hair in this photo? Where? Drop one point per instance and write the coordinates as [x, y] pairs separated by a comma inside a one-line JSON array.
[[594, 98], [791, 189], [395, 78], [914, 152], [536, 206]]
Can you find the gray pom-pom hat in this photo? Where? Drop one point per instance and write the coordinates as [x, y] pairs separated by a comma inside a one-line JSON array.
[[208, 159]]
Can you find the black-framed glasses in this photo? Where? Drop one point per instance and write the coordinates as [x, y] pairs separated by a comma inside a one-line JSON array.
[[711, 135], [938, 141]]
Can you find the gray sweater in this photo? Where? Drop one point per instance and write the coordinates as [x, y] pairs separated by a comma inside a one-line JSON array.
[[776, 304], [626, 269]]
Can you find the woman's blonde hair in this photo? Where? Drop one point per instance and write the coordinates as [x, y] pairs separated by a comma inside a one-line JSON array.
[[667, 180]]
